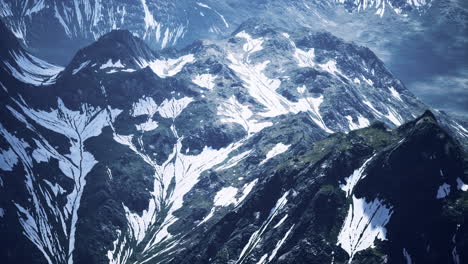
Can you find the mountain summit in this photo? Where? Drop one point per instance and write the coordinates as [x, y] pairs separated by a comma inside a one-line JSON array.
[[117, 49]]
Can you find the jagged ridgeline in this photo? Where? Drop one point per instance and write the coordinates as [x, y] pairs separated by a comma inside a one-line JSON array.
[[56, 29], [267, 146]]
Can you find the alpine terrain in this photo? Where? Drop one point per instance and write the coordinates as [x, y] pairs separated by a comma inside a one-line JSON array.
[[188, 132]]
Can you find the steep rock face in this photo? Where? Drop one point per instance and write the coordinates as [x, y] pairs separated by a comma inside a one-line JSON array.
[[371, 196], [133, 156]]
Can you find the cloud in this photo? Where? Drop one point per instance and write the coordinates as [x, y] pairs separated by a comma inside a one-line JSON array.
[[444, 92]]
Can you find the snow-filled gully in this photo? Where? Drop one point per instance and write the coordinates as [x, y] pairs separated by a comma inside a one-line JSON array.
[[256, 236], [365, 221], [49, 225], [263, 89], [150, 229]]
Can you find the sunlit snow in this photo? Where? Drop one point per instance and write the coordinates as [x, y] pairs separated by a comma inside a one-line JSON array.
[[275, 151], [364, 223]]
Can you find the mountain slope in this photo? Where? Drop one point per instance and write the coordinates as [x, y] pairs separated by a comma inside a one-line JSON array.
[[195, 155], [17, 62], [373, 195], [401, 33]]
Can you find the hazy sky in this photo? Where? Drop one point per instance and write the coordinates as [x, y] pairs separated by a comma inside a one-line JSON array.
[[434, 66]]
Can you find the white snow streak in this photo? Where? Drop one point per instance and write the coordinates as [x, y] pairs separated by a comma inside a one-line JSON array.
[[461, 185], [395, 93], [279, 244], [32, 70], [8, 159], [234, 112], [82, 65], [362, 122], [280, 222], [443, 191], [225, 196], [391, 115], [205, 81], [263, 89], [51, 226], [275, 151], [234, 160], [407, 256], [256, 236], [354, 178], [110, 64], [169, 67], [172, 180], [364, 223]]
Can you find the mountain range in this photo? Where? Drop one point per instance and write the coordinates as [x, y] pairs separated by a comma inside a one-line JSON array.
[[259, 143]]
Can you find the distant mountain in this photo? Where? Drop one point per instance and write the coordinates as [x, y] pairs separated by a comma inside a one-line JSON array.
[[268, 146], [19, 63], [55, 28], [401, 33]]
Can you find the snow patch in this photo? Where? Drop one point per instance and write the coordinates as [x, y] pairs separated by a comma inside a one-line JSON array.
[[256, 236], [145, 106], [301, 89], [263, 89], [82, 65], [275, 151], [41, 154], [170, 67], [205, 81], [8, 159], [407, 256], [364, 223], [362, 122], [252, 45], [32, 70], [279, 244], [354, 178], [173, 108], [173, 178], [227, 195], [461, 185], [234, 112], [51, 226], [110, 64], [395, 93], [443, 191], [305, 58], [234, 160]]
